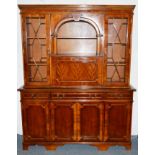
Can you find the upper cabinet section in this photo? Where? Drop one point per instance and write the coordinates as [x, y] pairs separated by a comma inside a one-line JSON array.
[[76, 45]]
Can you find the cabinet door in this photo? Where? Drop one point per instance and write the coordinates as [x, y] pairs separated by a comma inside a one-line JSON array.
[[62, 117], [71, 121], [117, 43], [35, 29], [77, 71], [117, 121], [35, 120], [91, 121]]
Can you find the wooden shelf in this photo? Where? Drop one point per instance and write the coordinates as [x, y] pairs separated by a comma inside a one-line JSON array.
[[76, 38], [124, 44], [36, 38]]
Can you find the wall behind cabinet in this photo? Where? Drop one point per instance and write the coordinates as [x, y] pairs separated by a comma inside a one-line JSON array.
[[134, 66]]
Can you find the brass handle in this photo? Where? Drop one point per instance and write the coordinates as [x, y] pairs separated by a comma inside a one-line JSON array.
[[33, 95], [60, 96]]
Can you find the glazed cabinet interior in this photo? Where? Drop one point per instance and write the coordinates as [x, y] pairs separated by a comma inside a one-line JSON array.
[[76, 75]]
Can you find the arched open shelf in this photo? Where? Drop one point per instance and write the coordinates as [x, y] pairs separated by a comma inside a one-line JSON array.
[[77, 37]]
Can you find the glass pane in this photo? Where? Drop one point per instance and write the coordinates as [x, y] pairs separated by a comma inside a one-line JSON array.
[[115, 73], [117, 30], [76, 38], [76, 29], [36, 27], [117, 42], [76, 46], [36, 50], [37, 73], [116, 53]]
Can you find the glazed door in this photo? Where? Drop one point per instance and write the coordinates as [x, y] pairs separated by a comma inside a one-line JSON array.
[[36, 46], [35, 118], [62, 121], [117, 121], [91, 121], [117, 45]]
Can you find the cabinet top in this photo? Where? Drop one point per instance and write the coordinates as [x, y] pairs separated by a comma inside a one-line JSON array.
[[78, 7]]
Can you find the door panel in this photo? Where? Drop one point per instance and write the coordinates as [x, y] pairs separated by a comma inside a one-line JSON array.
[[35, 116], [36, 46], [63, 121], [70, 71], [118, 120], [91, 121]]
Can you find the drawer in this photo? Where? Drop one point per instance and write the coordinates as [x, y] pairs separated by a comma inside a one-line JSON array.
[[117, 95], [76, 95], [35, 95]]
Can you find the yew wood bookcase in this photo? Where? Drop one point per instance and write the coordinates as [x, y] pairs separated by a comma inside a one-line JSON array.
[[76, 75]]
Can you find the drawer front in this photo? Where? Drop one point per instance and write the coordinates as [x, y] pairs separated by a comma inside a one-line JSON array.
[[100, 95], [78, 95], [35, 95], [117, 95]]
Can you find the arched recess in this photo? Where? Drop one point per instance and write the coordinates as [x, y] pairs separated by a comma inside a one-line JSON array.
[[87, 40]]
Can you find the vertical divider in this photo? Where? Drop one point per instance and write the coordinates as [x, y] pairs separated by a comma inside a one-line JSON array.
[[76, 108], [48, 40]]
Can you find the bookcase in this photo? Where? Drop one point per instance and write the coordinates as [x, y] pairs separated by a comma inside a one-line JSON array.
[[76, 75]]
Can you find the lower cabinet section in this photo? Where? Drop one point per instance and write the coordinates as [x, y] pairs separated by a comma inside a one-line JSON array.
[[101, 123]]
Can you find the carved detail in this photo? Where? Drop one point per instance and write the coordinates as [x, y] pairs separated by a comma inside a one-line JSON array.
[[76, 17]]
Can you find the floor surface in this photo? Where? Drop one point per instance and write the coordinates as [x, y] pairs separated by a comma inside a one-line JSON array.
[[77, 149]]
